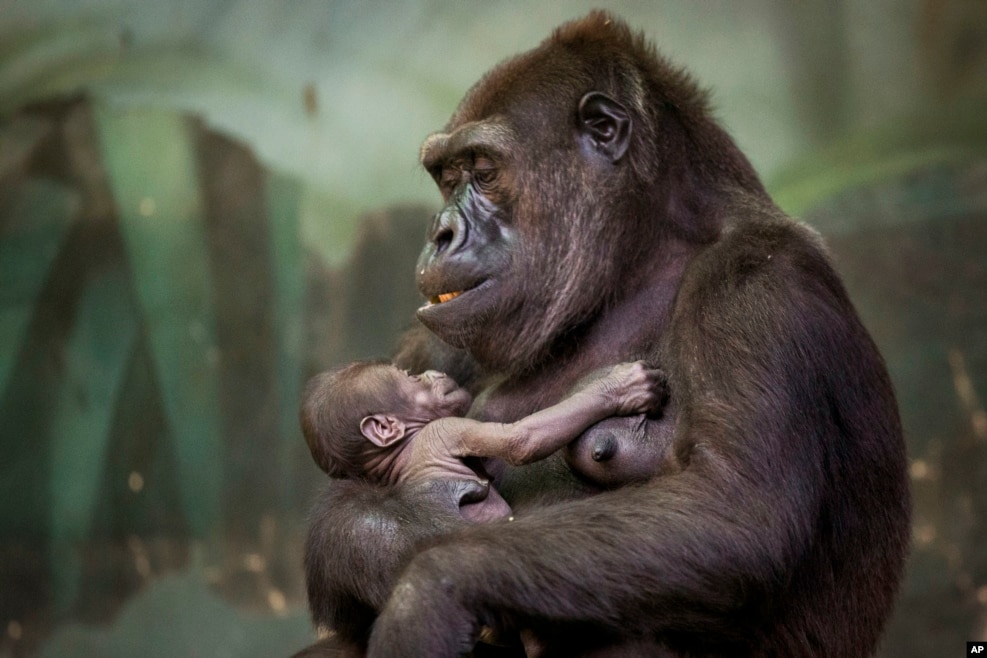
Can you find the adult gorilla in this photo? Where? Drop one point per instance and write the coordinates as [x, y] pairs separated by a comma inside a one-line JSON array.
[[595, 213]]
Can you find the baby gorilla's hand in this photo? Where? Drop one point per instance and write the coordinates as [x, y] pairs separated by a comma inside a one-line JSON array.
[[637, 388]]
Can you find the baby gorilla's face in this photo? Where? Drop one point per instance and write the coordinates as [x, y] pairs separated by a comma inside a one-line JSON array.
[[431, 394]]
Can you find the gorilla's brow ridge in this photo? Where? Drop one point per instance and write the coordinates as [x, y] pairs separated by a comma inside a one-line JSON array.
[[491, 134]]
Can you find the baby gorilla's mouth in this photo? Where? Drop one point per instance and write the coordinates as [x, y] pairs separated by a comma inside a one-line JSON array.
[[444, 297]]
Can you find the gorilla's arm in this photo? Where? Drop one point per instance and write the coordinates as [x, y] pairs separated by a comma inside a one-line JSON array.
[[361, 536], [616, 563], [779, 386]]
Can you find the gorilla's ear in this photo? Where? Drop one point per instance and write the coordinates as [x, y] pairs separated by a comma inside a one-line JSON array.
[[382, 430], [604, 125]]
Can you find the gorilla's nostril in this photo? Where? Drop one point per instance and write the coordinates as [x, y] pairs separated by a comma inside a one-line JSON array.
[[443, 239]]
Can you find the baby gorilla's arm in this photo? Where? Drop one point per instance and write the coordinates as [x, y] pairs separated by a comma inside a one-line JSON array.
[[627, 388]]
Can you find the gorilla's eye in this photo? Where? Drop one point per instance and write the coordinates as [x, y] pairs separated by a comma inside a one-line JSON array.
[[484, 177], [448, 179], [484, 171]]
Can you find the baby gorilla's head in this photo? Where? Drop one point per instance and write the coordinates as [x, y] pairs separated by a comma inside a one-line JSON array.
[[350, 413]]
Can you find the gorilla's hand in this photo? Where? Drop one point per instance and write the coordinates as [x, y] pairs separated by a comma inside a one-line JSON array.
[[446, 496]]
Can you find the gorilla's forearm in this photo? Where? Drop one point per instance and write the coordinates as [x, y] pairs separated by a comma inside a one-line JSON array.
[[696, 553], [361, 536]]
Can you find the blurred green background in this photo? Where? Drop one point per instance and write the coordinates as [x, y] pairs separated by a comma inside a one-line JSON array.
[[203, 201]]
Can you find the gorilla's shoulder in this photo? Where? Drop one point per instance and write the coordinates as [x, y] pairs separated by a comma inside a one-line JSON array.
[[760, 244]]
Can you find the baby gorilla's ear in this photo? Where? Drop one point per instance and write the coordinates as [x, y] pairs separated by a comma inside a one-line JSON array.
[[382, 430]]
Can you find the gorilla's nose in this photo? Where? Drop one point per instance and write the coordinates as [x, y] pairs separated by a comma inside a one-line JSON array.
[[448, 231]]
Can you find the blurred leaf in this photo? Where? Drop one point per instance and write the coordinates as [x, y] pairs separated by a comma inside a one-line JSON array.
[[34, 220], [18, 141], [892, 150], [283, 201], [96, 360], [151, 165]]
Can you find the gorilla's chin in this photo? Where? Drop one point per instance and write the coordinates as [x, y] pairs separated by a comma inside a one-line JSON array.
[[452, 334], [457, 318]]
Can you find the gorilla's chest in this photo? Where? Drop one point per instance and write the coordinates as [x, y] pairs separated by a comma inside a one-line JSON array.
[[543, 482], [504, 402]]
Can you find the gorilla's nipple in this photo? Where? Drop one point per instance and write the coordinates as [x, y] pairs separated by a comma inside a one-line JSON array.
[[604, 448]]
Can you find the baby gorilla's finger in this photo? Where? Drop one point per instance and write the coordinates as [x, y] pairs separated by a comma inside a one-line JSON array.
[[654, 403], [659, 381]]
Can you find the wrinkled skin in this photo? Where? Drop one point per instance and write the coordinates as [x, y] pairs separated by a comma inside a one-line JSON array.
[[595, 213]]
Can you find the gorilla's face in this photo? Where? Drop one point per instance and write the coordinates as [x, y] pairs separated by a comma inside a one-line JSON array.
[[466, 269], [527, 245]]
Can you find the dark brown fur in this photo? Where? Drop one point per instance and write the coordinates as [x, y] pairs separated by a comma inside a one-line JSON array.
[[782, 528]]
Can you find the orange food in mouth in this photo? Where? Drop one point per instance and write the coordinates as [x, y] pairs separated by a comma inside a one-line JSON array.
[[444, 297]]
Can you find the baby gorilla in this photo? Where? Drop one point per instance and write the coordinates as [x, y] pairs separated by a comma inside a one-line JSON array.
[[373, 421]]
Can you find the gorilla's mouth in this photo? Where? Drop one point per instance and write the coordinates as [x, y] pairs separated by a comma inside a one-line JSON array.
[[444, 297]]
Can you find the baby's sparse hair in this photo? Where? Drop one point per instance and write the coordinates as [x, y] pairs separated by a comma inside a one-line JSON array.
[[333, 405]]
